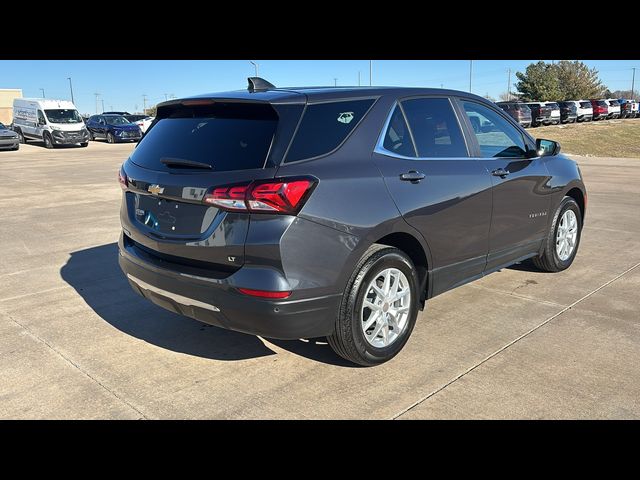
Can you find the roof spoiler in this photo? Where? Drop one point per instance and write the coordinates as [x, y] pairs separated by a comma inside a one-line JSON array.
[[257, 84]]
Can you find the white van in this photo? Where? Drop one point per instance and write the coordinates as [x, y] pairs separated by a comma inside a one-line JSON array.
[[55, 122]]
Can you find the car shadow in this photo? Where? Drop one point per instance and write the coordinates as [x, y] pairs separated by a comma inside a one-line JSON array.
[[524, 266], [95, 274], [58, 147]]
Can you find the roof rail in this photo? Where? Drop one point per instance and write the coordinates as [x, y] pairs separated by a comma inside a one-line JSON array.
[[257, 84]]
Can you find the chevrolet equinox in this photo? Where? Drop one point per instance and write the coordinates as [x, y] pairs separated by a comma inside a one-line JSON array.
[[308, 212]]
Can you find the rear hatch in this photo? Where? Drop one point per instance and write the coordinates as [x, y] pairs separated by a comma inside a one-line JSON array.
[[194, 148], [545, 111]]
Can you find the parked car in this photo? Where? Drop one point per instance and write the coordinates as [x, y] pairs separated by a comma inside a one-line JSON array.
[[568, 112], [520, 112], [298, 213], [628, 108], [600, 109], [9, 139], [540, 113], [584, 111], [613, 108], [124, 114], [143, 121], [113, 128], [54, 122], [555, 117]]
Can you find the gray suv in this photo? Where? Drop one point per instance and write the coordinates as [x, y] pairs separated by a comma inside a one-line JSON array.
[[310, 212]]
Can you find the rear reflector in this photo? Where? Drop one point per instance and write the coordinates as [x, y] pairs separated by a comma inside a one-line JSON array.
[[282, 195], [122, 179], [264, 293]]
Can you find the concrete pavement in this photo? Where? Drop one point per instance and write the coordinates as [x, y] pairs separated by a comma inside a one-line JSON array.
[[76, 342]]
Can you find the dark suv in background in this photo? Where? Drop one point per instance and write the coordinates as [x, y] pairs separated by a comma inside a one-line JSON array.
[[568, 112], [540, 113], [520, 112], [113, 128], [310, 212]]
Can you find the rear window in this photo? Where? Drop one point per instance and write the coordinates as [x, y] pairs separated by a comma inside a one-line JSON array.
[[522, 107], [585, 104], [325, 126], [614, 103], [225, 136], [553, 105], [602, 103]]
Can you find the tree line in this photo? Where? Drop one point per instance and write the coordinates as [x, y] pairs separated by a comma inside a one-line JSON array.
[[563, 80]]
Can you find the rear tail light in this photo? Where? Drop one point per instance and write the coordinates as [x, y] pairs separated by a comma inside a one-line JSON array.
[[228, 198], [122, 179], [264, 293], [282, 195]]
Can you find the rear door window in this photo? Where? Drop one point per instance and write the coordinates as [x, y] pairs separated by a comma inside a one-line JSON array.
[[225, 136], [397, 138], [435, 128], [325, 126]]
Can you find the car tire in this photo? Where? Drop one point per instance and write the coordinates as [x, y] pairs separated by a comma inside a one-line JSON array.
[[48, 141], [21, 137], [349, 339], [110, 138], [17, 147], [84, 144], [550, 260]]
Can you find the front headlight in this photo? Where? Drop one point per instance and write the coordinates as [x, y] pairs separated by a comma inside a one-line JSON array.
[[118, 132], [56, 129]]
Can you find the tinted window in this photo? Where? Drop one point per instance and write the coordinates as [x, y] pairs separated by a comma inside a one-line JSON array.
[[61, 115], [325, 126], [435, 127], [225, 136], [602, 103], [41, 117], [522, 107], [585, 104], [2, 127], [496, 136], [397, 138]]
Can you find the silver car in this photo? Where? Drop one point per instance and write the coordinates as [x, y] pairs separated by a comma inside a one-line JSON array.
[[8, 139]]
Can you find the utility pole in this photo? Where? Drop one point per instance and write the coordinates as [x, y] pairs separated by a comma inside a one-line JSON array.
[[166, 97], [97, 95], [370, 72], [509, 86], [442, 85], [358, 77], [144, 104], [255, 65], [102, 105], [42, 89], [335, 82], [71, 88], [633, 81], [470, 73]]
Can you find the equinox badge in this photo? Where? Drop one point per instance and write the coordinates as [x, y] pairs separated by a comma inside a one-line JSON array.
[[155, 189]]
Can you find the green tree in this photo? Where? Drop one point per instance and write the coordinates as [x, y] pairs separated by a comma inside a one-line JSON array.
[[577, 81], [151, 111], [565, 80], [538, 83]]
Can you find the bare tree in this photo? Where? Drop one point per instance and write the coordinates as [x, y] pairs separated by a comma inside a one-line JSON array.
[[506, 96]]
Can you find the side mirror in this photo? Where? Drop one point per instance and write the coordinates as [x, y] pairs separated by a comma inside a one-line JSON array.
[[547, 148]]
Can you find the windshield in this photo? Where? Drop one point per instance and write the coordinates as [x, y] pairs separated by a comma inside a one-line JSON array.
[[2, 127], [63, 115], [116, 120]]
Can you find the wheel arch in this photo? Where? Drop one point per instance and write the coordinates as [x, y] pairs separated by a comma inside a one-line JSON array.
[[580, 197], [411, 246]]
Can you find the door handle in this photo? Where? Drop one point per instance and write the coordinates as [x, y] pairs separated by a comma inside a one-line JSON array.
[[412, 176], [500, 172]]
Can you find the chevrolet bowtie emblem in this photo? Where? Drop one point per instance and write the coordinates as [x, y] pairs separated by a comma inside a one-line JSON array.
[[155, 189]]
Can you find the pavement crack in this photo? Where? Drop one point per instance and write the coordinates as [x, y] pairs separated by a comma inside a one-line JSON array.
[[38, 338], [512, 342]]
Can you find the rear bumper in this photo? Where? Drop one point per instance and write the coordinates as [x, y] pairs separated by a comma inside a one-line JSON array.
[[217, 302]]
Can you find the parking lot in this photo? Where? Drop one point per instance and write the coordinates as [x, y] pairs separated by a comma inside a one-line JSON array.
[[76, 342]]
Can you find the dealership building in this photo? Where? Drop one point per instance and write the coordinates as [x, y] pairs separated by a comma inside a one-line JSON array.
[[6, 103]]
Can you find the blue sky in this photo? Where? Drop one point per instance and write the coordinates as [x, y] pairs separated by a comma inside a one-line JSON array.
[[122, 83]]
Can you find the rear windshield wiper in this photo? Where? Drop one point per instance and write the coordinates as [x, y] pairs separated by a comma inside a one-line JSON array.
[[183, 163]]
